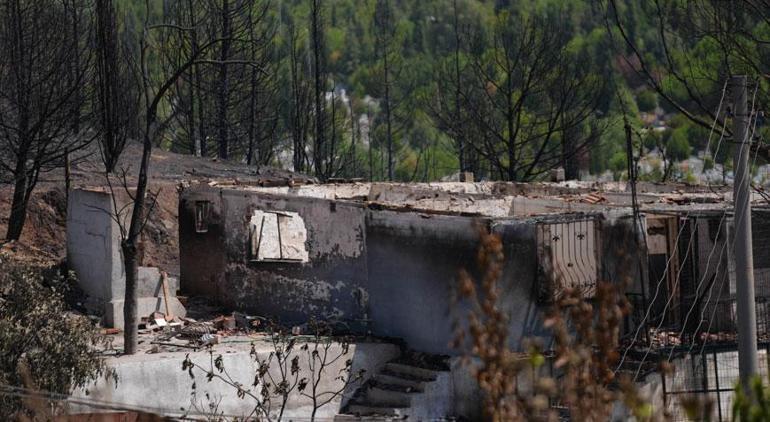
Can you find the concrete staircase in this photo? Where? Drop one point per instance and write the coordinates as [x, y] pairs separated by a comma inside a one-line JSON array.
[[401, 391]]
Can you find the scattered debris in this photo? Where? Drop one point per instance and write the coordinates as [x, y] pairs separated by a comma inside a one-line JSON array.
[[170, 333], [159, 319], [209, 339], [186, 346], [164, 283], [224, 322], [246, 322], [594, 198]]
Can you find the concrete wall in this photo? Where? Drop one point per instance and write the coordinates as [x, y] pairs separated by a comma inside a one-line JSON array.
[[93, 244], [520, 281], [329, 286], [413, 262], [390, 273], [202, 256], [93, 252], [413, 265], [157, 381]]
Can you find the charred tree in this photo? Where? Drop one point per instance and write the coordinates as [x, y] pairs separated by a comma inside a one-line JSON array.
[[528, 95], [319, 87], [117, 100], [260, 109], [385, 30], [38, 105], [155, 89], [223, 89], [448, 107], [300, 103]]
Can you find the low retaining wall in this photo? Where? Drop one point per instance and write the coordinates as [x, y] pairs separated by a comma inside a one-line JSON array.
[[156, 382]]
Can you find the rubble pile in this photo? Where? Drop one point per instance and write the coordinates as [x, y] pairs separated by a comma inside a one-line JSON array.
[[160, 332]]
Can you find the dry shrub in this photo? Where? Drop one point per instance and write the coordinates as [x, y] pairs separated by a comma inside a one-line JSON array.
[[317, 367], [585, 350], [43, 346]]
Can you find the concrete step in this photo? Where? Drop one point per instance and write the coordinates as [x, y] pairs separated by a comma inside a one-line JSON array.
[[373, 418], [371, 410], [410, 372], [379, 396], [406, 384]]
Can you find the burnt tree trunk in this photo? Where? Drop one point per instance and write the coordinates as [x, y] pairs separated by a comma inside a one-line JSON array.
[[19, 203], [570, 160], [223, 93], [388, 115], [457, 122], [130, 317], [201, 149], [251, 134], [353, 133], [320, 127]]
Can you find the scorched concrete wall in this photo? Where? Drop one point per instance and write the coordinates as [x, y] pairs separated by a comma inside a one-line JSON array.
[[218, 263], [413, 261], [390, 273]]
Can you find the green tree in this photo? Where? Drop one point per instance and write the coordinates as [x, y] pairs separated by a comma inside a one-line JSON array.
[[647, 100], [678, 145]]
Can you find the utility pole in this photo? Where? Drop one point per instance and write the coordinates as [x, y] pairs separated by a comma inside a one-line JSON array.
[[744, 261]]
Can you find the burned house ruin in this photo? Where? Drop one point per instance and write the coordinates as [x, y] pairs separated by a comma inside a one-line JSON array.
[[382, 259]]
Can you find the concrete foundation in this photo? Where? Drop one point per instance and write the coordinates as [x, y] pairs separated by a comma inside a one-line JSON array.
[[156, 382]]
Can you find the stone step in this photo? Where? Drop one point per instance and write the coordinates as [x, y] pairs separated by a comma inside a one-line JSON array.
[[410, 372], [354, 418], [384, 397], [361, 409], [406, 384]]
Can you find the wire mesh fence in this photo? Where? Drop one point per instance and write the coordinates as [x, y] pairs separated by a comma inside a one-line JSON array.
[[710, 374]]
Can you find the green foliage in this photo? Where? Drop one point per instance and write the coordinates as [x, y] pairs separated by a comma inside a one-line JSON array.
[[424, 46], [754, 407], [611, 143], [647, 100], [678, 145], [39, 337], [655, 174], [618, 163]]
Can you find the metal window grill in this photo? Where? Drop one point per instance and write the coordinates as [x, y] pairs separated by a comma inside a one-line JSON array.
[[202, 211], [568, 257]]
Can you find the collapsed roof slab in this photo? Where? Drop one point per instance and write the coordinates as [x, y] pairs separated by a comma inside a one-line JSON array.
[[508, 199]]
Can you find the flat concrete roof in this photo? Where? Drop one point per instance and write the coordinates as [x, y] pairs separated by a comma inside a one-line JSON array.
[[511, 199]]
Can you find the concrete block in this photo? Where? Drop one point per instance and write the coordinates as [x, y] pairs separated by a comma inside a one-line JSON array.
[[113, 313], [403, 383], [91, 245], [387, 398], [149, 284], [411, 372], [367, 410]]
